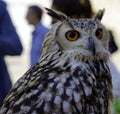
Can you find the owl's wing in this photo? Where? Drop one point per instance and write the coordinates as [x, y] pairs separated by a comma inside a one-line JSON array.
[[19, 88], [27, 81], [30, 80]]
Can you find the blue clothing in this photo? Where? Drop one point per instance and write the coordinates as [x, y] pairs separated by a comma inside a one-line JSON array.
[[38, 36], [9, 45]]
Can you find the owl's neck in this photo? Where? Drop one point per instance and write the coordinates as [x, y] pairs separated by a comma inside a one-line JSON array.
[[59, 58], [84, 55]]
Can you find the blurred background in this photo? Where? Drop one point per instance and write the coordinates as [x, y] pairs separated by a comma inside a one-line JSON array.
[[17, 66]]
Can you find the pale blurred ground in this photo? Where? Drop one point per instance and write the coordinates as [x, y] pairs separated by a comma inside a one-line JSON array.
[[18, 65]]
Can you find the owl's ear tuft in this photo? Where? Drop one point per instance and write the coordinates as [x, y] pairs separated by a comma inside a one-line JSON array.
[[54, 14], [100, 14]]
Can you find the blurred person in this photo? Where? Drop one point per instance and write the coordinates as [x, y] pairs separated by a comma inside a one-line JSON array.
[[34, 15], [9, 45]]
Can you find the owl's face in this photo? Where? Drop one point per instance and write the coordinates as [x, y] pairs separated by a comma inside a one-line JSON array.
[[79, 36], [86, 36]]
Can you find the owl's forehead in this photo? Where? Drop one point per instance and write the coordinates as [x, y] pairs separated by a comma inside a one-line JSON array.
[[86, 24]]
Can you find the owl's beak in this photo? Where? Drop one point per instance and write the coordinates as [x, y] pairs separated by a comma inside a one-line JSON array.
[[91, 45]]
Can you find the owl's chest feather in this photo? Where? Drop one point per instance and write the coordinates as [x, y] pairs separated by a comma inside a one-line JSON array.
[[85, 86], [80, 88]]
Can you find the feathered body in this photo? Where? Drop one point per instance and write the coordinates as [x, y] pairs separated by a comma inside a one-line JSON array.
[[72, 77]]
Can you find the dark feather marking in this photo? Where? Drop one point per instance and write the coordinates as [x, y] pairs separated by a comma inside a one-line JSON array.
[[67, 83], [58, 70], [45, 84], [52, 105], [74, 105], [68, 68], [59, 44], [100, 14], [64, 96], [66, 63], [40, 109], [27, 101], [84, 74], [61, 108], [57, 30], [16, 108], [54, 87], [97, 67]]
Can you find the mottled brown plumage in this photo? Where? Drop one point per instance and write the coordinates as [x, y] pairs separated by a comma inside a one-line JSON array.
[[72, 76]]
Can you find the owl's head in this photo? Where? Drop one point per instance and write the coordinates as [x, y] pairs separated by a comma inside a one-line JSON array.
[[85, 37]]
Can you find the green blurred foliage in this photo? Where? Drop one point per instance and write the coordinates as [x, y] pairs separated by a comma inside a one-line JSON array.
[[116, 106]]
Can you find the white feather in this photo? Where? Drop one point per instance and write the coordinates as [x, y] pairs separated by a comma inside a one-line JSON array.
[[66, 106]]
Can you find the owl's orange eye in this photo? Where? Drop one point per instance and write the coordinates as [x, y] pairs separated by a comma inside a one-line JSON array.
[[99, 33], [72, 35]]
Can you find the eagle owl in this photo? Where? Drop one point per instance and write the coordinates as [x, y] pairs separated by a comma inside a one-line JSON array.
[[72, 76]]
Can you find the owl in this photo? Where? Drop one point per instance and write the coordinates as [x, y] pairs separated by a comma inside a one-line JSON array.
[[72, 75]]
